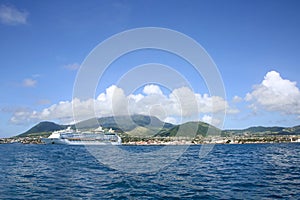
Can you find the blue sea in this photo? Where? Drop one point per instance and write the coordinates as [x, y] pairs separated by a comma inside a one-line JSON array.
[[248, 171]]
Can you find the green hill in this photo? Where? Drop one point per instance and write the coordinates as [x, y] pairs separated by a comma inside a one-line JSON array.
[[43, 128], [145, 126], [190, 129], [135, 125], [261, 130], [124, 123]]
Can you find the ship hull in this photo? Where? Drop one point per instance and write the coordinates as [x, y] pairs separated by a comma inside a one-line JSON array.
[[94, 137], [77, 142]]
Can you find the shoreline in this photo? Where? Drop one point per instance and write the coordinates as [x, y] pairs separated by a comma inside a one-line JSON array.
[[176, 141]]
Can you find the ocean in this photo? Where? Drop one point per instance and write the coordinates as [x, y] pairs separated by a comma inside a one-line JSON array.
[[237, 171]]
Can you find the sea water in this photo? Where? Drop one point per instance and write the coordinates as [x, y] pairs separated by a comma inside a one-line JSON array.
[[248, 171]]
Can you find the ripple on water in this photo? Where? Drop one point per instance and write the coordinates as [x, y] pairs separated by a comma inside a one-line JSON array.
[[258, 171]]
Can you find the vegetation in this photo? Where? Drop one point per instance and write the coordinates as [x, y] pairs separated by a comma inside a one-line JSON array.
[[137, 127], [189, 129], [42, 128], [260, 130]]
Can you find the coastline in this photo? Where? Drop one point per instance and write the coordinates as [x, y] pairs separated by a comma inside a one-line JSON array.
[[162, 141]]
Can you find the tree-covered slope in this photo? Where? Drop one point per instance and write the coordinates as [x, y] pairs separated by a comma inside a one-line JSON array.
[[190, 129]]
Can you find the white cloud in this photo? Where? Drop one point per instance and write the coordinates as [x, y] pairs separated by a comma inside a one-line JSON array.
[[28, 82], [136, 98], [171, 120], [12, 16], [183, 102], [61, 112], [180, 103], [152, 89], [237, 99], [232, 110], [112, 102], [275, 94], [207, 119], [210, 120], [72, 67]]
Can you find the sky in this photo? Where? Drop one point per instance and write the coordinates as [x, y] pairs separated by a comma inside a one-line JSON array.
[[253, 43]]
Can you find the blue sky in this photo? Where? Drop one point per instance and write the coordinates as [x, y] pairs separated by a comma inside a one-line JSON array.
[[255, 45]]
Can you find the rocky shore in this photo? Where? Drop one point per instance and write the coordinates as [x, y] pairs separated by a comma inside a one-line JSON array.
[[22, 140], [178, 140]]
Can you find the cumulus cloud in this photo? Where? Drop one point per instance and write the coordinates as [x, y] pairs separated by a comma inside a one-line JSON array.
[[112, 102], [237, 99], [171, 120], [61, 112], [210, 120], [28, 82], [180, 103], [275, 94], [10, 15], [152, 89]]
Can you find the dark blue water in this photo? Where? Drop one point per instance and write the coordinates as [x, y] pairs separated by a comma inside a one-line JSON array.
[[252, 171]]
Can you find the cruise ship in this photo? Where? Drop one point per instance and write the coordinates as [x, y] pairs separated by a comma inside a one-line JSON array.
[[94, 137]]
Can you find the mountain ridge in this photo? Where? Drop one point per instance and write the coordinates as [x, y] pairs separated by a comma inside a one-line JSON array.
[[121, 124], [145, 126]]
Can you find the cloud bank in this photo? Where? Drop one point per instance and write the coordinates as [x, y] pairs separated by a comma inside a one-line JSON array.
[[179, 104], [275, 94], [10, 15]]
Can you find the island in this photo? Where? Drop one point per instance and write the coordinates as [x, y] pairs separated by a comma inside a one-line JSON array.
[[149, 130]]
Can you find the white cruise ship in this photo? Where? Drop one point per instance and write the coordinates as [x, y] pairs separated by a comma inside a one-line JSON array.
[[95, 137]]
